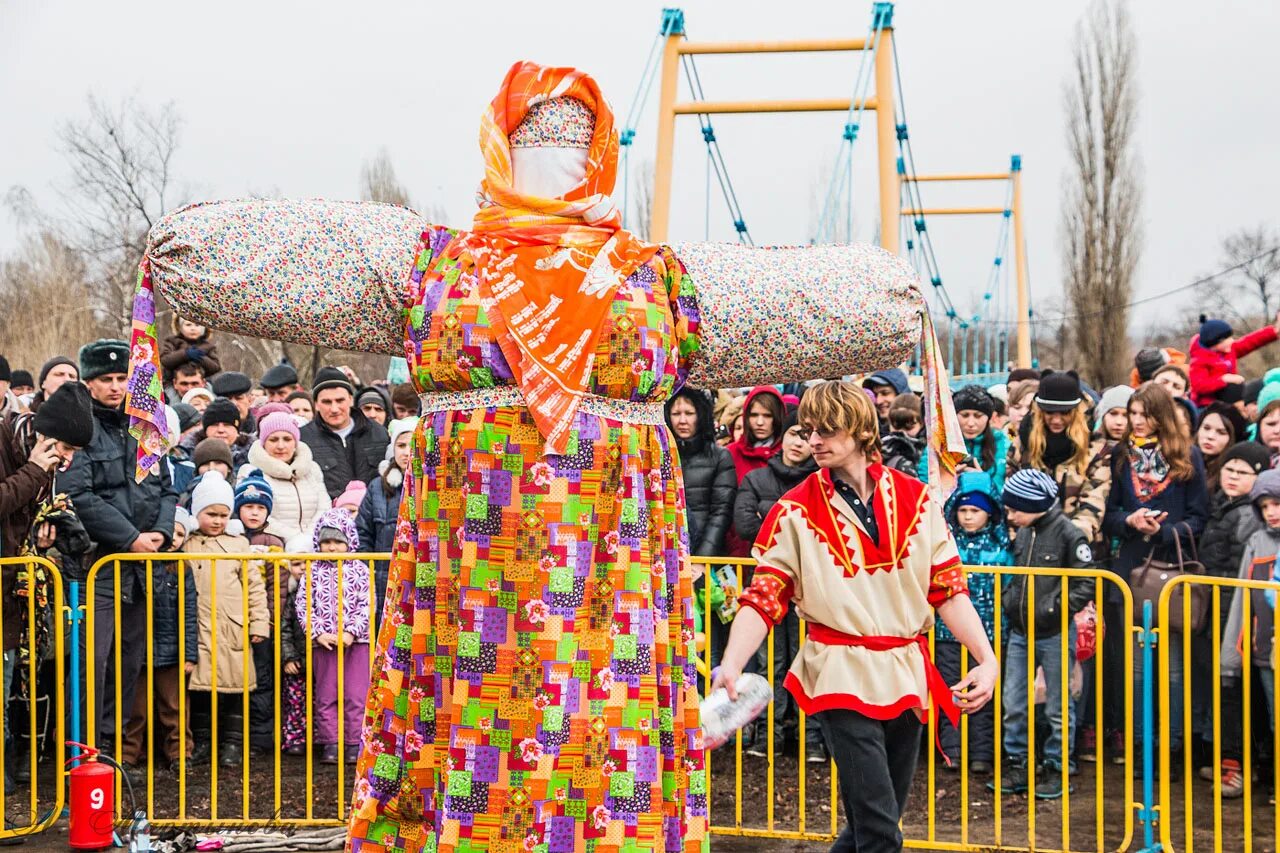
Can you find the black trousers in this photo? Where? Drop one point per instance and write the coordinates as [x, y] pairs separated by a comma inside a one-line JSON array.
[[982, 725], [875, 760], [133, 656]]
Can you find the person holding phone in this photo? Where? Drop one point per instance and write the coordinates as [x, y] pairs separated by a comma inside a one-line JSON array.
[[1159, 499]]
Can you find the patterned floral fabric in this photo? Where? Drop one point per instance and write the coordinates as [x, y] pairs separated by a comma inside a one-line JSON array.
[[533, 682], [557, 123]]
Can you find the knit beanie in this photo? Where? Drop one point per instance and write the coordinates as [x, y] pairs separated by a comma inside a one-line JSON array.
[[1115, 397], [980, 500], [397, 428], [254, 489], [1213, 332], [183, 518], [103, 356], [331, 377], [212, 450], [973, 398], [330, 534], [1270, 390], [1256, 456], [5, 373], [277, 422], [375, 395], [67, 415], [190, 396], [1059, 391], [1148, 361], [1030, 490], [1266, 486], [21, 379], [212, 489], [351, 496], [1229, 414], [265, 409], [221, 411], [52, 363], [188, 416]]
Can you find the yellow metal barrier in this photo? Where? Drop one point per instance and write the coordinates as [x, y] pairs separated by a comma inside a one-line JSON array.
[[929, 831], [1233, 823], [173, 806], [45, 796]]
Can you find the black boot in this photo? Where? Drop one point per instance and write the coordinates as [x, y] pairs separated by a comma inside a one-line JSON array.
[[201, 736], [231, 736]]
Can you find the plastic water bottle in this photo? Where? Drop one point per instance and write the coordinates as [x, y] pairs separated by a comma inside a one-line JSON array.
[[722, 717]]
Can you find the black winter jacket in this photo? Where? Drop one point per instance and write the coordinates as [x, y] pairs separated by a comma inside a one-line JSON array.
[[1231, 523], [355, 459], [376, 526], [164, 614], [114, 508], [902, 452], [1052, 542], [710, 481], [763, 488], [1186, 502]]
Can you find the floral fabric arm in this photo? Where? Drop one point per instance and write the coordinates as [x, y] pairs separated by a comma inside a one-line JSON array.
[[772, 315], [327, 273]]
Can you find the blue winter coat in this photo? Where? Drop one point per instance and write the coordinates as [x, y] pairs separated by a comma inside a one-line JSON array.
[[973, 446], [989, 546]]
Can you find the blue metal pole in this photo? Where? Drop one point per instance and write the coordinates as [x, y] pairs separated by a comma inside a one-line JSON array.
[[1148, 812], [75, 616]]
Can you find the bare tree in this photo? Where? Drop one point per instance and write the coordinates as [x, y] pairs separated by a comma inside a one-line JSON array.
[[120, 163], [42, 306], [642, 186], [378, 181], [1102, 198], [1257, 252]]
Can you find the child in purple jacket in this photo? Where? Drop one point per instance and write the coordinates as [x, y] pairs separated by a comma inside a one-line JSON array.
[[339, 651]]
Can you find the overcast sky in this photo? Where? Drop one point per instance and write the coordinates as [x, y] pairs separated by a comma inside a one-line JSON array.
[[290, 98]]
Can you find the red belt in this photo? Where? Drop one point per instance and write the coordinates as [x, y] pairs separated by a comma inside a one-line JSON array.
[[939, 691]]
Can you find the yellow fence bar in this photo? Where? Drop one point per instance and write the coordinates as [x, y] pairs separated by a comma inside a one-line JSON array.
[[801, 46], [1234, 825], [43, 804], [799, 105], [1086, 817]]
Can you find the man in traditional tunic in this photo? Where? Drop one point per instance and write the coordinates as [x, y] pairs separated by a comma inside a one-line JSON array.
[[865, 555]]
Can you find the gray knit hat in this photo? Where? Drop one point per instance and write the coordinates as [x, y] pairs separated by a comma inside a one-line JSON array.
[[1115, 397]]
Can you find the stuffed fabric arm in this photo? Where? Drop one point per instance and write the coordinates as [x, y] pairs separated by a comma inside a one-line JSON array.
[[327, 273], [773, 315]]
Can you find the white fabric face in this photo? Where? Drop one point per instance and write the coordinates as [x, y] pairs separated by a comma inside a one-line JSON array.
[[547, 172]]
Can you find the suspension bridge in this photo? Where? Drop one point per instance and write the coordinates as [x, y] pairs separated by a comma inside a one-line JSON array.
[[981, 343]]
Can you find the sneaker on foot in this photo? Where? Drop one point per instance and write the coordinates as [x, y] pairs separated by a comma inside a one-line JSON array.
[[1049, 785], [1232, 780], [330, 754], [1115, 747], [1087, 748], [1012, 781], [980, 768]]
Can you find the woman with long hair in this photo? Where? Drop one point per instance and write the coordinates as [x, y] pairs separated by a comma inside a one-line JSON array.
[[1055, 438], [988, 448], [1220, 426], [763, 414], [1021, 396], [1158, 499]]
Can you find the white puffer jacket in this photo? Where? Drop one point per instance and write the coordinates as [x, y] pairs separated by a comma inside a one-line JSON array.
[[298, 492]]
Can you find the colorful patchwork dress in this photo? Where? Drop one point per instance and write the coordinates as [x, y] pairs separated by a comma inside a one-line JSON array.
[[533, 683]]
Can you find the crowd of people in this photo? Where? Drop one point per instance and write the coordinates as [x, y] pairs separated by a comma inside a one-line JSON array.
[[1057, 474], [1176, 467], [264, 468]]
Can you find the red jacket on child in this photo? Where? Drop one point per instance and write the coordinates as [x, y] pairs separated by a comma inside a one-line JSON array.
[[1209, 366]]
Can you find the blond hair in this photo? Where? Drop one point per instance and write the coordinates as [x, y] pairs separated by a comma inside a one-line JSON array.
[[1077, 432], [839, 406]]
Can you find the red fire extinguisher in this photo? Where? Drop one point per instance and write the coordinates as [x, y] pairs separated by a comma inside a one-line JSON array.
[[92, 800]]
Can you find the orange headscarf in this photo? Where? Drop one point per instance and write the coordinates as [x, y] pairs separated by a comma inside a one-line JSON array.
[[548, 268]]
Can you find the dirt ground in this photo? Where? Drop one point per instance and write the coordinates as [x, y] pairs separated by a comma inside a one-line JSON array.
[[1084, 822]]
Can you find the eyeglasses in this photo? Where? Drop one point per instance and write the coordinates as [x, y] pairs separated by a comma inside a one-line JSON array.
[[1237, 472]]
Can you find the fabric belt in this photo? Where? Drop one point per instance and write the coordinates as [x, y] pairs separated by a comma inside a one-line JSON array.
[[502, 396], [939, 691]]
